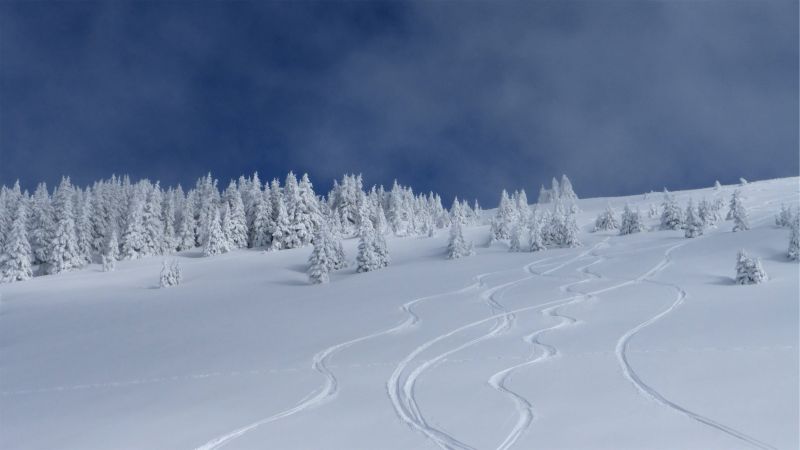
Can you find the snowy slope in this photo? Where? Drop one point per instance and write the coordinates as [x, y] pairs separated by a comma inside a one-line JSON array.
[[628, 342]]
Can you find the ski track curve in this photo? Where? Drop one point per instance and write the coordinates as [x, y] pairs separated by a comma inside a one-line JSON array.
[[403, 398], [524, 408], [647, 390], [319, 396]]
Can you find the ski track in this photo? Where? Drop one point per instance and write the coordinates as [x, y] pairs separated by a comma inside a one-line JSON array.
[[648, 391], [404, 400], [319, 364]]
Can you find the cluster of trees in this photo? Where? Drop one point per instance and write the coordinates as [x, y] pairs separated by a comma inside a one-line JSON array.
[[537, 228], [52, 232]]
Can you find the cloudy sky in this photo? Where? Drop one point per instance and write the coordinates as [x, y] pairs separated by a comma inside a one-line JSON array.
[[460, 97]]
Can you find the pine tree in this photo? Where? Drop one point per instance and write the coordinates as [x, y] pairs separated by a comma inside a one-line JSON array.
[[694, 224], [515, 245], [671, 216], [15, 256], [171, 273], [535, 236], [784, 217], [367, 260], [631, 221], [738, 212], [565, 189], [571, 231], [63, 251], [186, 237], [134, 244], [717, 186], [152, 221], [41, 225], [458, 247], [237, 232], [319, 263], [111, 253], [749, 270], [83, 225], [280, 226], [260, 233], [794, 239], [381, 250], [652, 212], [607, 220], [216, 243], [504, 218], [169, 241], [706, 213]]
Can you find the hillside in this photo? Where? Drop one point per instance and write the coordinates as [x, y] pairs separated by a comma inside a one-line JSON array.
[[626, 342]]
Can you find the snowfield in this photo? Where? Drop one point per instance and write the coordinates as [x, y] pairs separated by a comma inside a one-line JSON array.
[[626, 342]]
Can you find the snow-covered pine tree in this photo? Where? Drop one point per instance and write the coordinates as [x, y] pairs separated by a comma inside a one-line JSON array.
[[216, 242], [523, 210], [544, 196], [382, 250], [40, 224], [535, 235], [458, 247], [571, 231], [652, 211], [717, 186], [748, 269], [307, 215], [478, 212], [340, 261], [152, 221], [794, 238], [237, 220], [134, 245], [83, 224], [111, 253], [261, 232], [186, 237], [738, 213], [694, 224], [63, 251], [706, 213], [565, 189], [226, 225], [631, 221], [671, 215], [515, 244], [367, 260], [319, 263], [169, 241], [784, 217], [170, 273], [504, 218], [607, 220], [743, 181], [279, 234], [15, 255]]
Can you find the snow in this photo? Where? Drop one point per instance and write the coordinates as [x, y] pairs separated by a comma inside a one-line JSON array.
[[626, 342]]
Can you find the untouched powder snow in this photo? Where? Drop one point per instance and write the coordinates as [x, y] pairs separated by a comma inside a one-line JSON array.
[[641, 341]]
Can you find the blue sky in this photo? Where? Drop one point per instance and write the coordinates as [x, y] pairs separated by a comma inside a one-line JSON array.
[[463, 98]]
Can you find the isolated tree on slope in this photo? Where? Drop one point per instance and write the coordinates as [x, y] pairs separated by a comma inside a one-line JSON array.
[[671, 216], [319, 263], [170, 274], [15, 257], [794, 239], [111, 253], [717, 186], [784, 217], [631, 221], [458, 247], [738, 212], [748, 269], [216, 242], [694, 225], [607, 220], [63, 251]]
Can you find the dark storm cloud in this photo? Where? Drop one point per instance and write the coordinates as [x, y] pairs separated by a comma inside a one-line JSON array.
[[460, 97]]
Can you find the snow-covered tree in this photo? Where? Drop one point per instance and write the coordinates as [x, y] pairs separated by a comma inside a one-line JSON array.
[[742, 181], [216, 242], [40, 224], [367, 259], [607, 220], [737, 212], [169, 241], [784, 217], [63, 251], [16, 255], [565, 189], [694, 224], [83, 225], [535, 236], [134, 244], [458, 247], [261, 232], [340, 258], [515, 244], [707, 213], [281, 229], [571, 230], [652, 211], [794, 239], [186, 238], [237, 220], [748, 269], [170, 273], [671, 215], [631, 221], [717, 185], [319, 263], [504, 217], [111, 253]]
